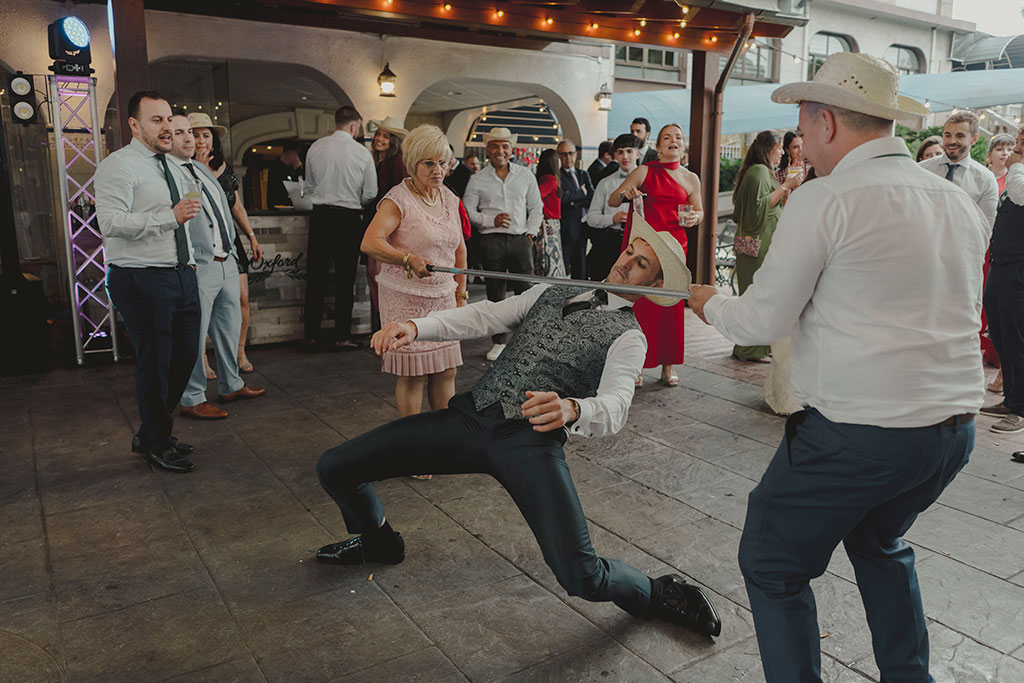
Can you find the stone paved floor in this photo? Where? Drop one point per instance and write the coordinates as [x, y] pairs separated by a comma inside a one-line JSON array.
[[110, 571]]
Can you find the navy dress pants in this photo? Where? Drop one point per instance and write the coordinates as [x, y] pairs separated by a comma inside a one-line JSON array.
[[529, 464], [160, 309], [334, 238], [861, 486], [1004, 308]]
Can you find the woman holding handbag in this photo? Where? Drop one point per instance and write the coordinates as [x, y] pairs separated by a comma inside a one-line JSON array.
[[757, 204]]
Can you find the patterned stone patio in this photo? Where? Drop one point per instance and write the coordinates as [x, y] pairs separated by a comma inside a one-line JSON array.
[[111, 571]]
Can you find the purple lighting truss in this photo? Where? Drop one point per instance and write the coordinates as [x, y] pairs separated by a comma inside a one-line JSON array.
[[76, 137]]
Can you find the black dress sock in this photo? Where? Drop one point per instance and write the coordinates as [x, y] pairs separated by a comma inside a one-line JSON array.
[[382, 538]]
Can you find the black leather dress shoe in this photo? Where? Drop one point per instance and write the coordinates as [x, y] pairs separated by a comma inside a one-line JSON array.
[[180, 446], [1018, 457], [353, 551], [672, 599], [170, 460]]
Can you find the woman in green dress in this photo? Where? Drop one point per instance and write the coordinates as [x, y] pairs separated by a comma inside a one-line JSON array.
[[757, 203]]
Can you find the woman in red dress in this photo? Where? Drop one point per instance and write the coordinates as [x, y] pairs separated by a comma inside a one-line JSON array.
[[666, 188]]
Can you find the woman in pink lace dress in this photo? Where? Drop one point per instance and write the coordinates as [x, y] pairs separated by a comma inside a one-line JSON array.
[[417, 223]]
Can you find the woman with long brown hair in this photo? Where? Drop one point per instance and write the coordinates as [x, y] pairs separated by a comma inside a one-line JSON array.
[[757, 204], [386, 150], [547, 249], [671, 203]]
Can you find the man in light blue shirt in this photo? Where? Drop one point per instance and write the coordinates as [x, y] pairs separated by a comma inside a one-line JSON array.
[[213, 234], [607, 223], [151, 277]]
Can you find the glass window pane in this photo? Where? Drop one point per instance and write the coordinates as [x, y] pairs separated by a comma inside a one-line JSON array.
[[636, 54], [654, 56], [620, 53], [819, 44], [670, 58]]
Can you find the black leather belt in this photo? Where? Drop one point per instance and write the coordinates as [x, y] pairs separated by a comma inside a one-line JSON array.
[[956, 419]]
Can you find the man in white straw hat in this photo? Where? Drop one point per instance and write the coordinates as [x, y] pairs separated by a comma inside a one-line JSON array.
[[569, 368], [504, 206], [875, 271]]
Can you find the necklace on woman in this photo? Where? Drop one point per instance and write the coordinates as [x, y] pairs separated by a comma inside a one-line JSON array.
[[423, 198]]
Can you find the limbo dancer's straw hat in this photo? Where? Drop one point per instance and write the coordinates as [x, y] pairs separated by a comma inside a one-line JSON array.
[[201, 120], [393, 125], [858, 82], [500, 134], [671, 255]]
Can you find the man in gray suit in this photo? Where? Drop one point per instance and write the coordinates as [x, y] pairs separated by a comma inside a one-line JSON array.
[[213, 234]]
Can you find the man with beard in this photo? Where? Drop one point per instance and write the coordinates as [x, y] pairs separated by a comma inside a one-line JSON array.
[[151, 275], [957, 166]]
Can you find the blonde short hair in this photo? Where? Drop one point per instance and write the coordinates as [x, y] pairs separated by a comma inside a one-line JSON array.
[[424, 142]]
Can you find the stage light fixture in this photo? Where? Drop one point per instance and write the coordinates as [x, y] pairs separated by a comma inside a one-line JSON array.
[[69, 47], [23, 98]]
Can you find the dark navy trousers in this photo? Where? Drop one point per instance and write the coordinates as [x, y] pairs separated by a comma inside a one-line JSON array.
[[1004, 309], [160, 309], [529, 464], [861, 486]]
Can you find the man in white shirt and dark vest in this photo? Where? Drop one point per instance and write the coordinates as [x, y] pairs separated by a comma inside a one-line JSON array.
[[340, 180], [151, 276], [569, 368], [955, 164], [212, 234], [875, 271], [1004, 296]]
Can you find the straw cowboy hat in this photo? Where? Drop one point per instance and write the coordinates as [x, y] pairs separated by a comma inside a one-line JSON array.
[[393, 125], [858, 82], [671, 256], [198, 119], [500, 134]]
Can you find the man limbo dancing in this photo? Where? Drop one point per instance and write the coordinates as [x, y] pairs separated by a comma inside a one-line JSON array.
[[570, 367]]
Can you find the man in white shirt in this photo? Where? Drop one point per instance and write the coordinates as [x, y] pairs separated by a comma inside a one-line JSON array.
[[875, 271], [504, 205], [212, 234], [340, 180], [605, 223], [959, 133], [151, 277], [569, 369], [1004, 295]]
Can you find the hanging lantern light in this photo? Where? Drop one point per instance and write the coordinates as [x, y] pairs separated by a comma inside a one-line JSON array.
[[386, 81], [604, 98]]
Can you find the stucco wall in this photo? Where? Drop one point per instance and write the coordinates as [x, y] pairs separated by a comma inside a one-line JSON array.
[[351, 60]]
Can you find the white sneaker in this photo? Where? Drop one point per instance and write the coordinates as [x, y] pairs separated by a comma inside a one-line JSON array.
[[1009, 425], [498, 348]]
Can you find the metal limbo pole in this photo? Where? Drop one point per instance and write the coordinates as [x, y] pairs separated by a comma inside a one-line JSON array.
[[523, 277]]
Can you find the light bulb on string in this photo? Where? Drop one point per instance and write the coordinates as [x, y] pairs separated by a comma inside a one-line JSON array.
[[643, 22]]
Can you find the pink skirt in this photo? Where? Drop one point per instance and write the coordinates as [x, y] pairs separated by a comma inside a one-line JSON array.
[[421, 357]]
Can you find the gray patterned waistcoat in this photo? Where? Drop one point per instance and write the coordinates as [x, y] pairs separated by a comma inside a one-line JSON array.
[[551, 353]]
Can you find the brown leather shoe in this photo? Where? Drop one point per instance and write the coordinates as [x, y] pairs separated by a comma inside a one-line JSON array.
[[204, 411], [242, 394]]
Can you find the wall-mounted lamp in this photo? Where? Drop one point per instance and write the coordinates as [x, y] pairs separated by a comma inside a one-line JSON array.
[[604, 98], [386, 81]]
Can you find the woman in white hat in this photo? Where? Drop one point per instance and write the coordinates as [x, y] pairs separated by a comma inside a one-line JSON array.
[[210, 152]]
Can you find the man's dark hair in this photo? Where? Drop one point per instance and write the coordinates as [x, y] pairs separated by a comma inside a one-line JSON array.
[[644, 122], [290, 146], [471, 155], [346, 115], [179, 112], [625, 140], [135, 102], [604, 148]]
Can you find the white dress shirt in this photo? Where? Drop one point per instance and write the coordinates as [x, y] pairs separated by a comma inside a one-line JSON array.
[[207, 217], [1015, 184], [134, 210], [518, 195], [603, 414], [875, 271], [340, 172], [600, 214], [973, 178]]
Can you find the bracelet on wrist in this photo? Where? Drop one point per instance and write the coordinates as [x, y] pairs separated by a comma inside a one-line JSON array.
[[462, 294]]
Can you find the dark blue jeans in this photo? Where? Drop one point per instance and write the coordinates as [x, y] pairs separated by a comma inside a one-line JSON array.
[[860, 485], [160, 309], [1004, 308], [529, 464]]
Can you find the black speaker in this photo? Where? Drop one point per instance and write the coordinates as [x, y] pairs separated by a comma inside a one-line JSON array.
[[24, 344]]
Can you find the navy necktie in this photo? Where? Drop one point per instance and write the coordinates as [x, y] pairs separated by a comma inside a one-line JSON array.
[[951, 171], [600, 298], [226, 243], [180, 239]]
